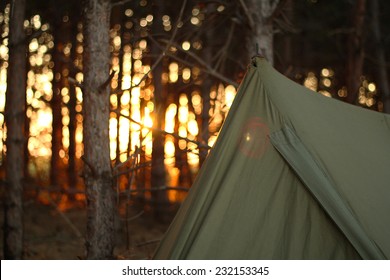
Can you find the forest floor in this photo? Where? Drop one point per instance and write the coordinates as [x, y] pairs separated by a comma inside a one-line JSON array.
[[53, 234]]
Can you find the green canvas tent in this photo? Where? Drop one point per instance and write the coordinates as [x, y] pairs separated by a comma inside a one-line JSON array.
[[293, 175]]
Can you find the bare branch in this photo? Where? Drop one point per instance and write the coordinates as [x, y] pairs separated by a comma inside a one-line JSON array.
[[129, 170], [107, 82], [36, 34], [75, 82], [207, 68], [275, 4], [90, 166], [66, 219], [119, 165], [134, 217], [277, 8], [128, 193], [224, 49], [202, 145], [248, 15], [162, 188], [160, 57], [123, 2], [148, 242]]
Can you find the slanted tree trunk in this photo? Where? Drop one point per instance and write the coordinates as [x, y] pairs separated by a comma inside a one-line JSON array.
[[260, 38], [383, 81], [97, 166], [159, 197], [204, 132], [205, 116], [355, 59], [14, 117]]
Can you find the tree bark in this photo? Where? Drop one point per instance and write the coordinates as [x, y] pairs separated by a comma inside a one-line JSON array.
[[15, 117], [355, 47], [97, 166], [383, 81], [260, 38]]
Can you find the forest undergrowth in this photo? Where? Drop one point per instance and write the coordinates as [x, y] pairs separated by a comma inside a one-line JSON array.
[[54, 234]]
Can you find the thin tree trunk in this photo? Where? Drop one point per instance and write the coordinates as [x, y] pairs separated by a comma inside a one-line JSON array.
[[205, 116], [159, 198], [204, 132], [117, 18], [260, 39], [72, 177], [97, 166], [14, 114], [55, 103], [288, 46], [381, 57], [355, 52], [207, 84]]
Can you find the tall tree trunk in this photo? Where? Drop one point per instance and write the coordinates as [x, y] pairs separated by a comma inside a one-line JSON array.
[[287, 52], [56, 101], [97, 166], [14, 114], [159, 197], [72, 177], [383, 80], [355, 59], [260, 39]]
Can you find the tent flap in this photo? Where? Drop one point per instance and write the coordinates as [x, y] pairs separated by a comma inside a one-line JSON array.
[[320, 184]]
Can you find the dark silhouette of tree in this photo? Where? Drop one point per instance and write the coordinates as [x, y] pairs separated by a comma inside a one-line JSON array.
[[159, 197], [382, 72], [355, 60], [117, 27], [60, 27], [97, 167], [56, 140], [15, 117], [72, 172]]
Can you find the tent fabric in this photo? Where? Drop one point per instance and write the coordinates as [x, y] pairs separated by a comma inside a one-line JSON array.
[[320, 185], [293, 175]]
